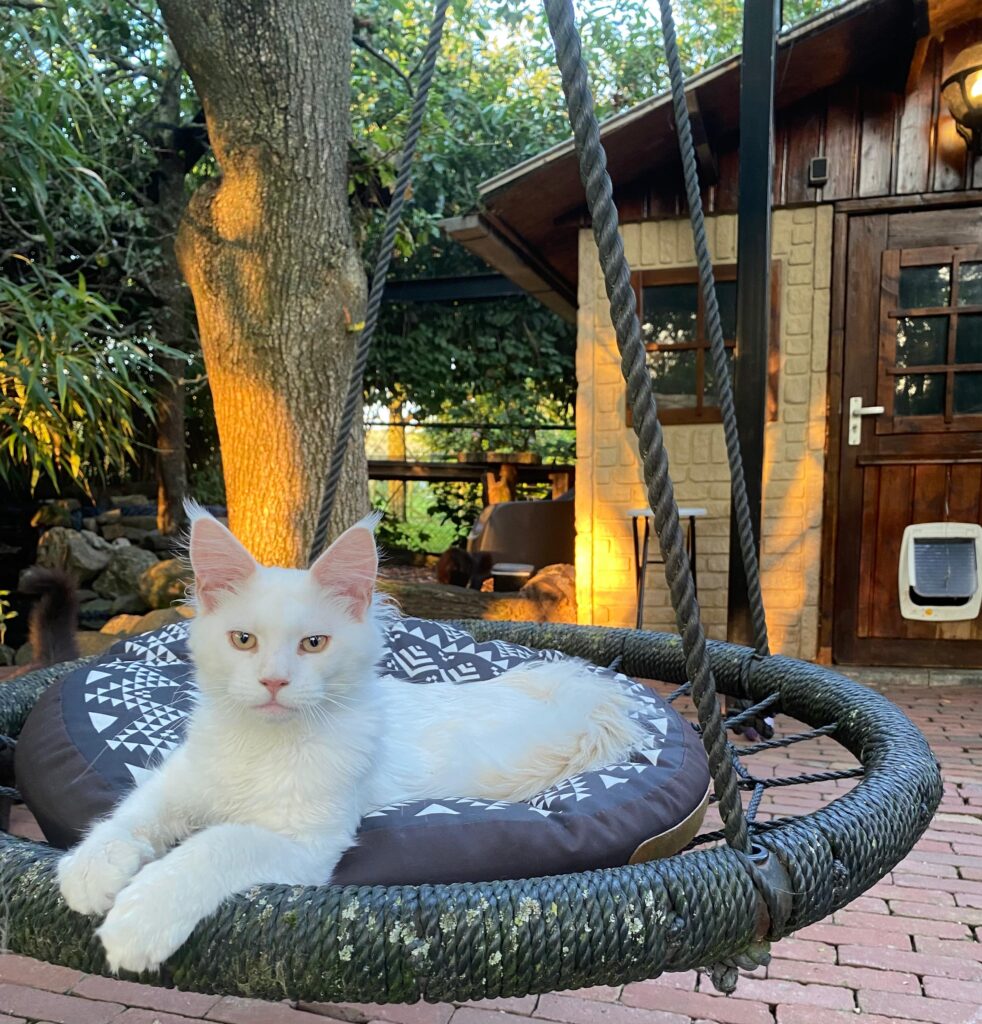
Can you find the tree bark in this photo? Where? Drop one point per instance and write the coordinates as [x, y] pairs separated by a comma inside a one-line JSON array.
[[268, 253]]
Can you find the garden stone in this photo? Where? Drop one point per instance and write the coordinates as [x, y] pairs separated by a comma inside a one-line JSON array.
[[7, 655], [94, 614], [129, 604], [61, 548], [140, 522], [90, 523], [114, 515], [120, 542], [163, 617], [123, 573], [98, 542], [51, 515], [85, 595], [116, 530], [120, 501], [164, 583], [118, 624]]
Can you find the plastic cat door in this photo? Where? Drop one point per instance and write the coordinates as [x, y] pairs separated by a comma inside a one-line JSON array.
[[939, 571]]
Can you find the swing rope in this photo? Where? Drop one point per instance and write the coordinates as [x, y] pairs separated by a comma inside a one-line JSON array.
[[354, 397], [640, 392]]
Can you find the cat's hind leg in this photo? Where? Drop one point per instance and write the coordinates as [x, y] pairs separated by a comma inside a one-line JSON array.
[[576, 721]]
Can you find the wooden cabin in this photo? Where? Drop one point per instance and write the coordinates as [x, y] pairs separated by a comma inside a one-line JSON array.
[[876, 293]]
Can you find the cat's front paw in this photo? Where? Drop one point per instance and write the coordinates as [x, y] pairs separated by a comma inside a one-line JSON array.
[[149, 921], [99, 868]]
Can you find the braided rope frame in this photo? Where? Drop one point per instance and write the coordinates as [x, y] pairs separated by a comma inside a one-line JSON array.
[[474, 941]]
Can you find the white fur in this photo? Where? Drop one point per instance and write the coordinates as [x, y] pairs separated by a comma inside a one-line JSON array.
[[255, 796]]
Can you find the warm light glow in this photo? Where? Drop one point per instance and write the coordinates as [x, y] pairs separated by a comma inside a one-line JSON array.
[[973, 86]]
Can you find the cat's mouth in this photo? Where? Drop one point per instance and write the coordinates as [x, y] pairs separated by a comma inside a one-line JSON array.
[[273, 707]]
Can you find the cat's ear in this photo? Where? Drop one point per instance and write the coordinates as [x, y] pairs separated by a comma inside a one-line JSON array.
[[349, 566], [219, 561]]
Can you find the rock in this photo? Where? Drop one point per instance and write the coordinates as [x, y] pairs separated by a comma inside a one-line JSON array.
[[121, 542], [123, 624], [51, 515], [164, 543], [164, 583], [90, 524], [114, 515], [128, 500], [85, 595], [60, 548], [129, 604], [553, 589], [116, 530], [94, 614], [122, 575], [163, 617], [99, 543], [7, 655], [140, 522]]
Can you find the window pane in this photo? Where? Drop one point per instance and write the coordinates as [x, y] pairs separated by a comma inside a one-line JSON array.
[[669, 313], [922, 340], [968, 392], [925, 286], [970, 284], [968, 341], [726, 294], [919, 394], [674, 375], [711, 397]]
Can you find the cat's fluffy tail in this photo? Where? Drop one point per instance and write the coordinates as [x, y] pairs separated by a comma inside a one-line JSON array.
[[586, 726], [54, 617]]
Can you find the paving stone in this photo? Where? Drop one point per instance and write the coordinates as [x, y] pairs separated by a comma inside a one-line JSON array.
[[22, 970], [940, 1011], [722, 1009], [39, 1004], [190, 1004], [570, 1010]]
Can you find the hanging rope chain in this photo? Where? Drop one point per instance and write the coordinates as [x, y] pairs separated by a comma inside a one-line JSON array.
[[354, 397], [627, 327], [724, 386]]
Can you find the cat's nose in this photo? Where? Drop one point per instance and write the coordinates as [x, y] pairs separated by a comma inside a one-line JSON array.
[[274, 685]]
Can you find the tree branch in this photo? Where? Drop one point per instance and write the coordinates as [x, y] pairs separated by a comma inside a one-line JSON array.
[[388, 62]]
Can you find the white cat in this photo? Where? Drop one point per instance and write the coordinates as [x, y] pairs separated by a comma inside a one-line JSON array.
[[294, 737]]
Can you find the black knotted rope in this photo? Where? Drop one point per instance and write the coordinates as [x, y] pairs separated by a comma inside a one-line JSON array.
[[627, 327], [724, 387], [353, 398]]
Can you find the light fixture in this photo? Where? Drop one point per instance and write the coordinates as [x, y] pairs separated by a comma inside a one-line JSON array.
[[962, 91]]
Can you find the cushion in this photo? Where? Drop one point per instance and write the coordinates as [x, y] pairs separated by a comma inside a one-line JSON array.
[[98, 731]]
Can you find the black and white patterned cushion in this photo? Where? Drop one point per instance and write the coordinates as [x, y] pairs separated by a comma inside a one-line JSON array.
[[104, 726]]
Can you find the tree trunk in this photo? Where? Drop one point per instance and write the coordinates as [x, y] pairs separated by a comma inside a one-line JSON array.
[[172, 321], [268, 253]]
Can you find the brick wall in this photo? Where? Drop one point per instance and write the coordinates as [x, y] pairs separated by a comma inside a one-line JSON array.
[[608, 476]]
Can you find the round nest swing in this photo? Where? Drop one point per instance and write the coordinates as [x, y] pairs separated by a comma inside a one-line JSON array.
[[715, 908]]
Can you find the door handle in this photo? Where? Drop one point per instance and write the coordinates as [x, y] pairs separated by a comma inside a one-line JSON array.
[[856, 413]]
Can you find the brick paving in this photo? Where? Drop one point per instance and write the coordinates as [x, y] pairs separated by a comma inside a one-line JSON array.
[[908, 951]]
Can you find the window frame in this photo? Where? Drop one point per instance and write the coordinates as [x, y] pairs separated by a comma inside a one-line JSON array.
[[891, 312], [700, 412]]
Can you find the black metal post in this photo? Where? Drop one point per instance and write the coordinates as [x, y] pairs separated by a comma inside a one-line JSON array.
[[761, 21]]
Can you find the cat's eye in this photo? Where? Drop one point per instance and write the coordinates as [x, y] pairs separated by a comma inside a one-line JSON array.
[[242, 641], [314, 644]]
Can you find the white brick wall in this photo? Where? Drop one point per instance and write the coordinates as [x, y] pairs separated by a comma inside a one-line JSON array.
[[608, 476]]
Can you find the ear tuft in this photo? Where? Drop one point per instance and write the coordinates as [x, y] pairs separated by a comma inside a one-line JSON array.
[[221, 564], [349, 566]]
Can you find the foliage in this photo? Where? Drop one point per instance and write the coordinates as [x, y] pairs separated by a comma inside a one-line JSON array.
[[6, 614], [71, 391], [78, 249], [496, 101]]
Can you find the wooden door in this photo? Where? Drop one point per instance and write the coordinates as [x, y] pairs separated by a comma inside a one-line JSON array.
[[912, 342]]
